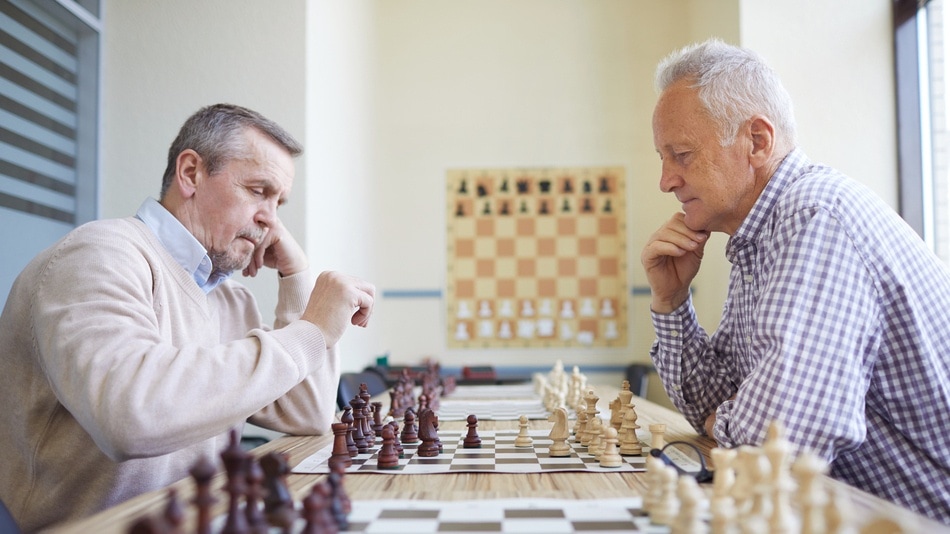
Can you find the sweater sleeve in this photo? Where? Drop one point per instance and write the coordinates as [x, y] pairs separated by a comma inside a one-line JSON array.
[[133, 348]]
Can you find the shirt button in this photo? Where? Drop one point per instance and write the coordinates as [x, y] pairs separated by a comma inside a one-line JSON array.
[[748, 339], [674, 333], [748, 278]]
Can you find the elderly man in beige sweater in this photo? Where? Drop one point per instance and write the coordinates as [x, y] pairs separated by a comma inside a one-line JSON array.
[[129, 353]]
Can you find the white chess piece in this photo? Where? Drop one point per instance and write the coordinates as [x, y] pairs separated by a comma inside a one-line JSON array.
[[504, 331], [545, 327], [523, 439], [566, 332], [545, 307], [611, 330], [505, 309], [607, 308], [461, 331], [587, 308], [526, 328], [463, 311], [527, 309], [610, 457], [486, 329], [484, 309], [567, 310]]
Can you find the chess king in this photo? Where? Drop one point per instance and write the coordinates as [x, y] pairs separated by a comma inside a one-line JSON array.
[[129, 352]]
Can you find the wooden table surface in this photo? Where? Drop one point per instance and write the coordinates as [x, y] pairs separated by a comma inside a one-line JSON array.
[[465, 486]]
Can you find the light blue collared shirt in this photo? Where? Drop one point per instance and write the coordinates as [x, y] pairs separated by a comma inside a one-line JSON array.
[[180, 243]]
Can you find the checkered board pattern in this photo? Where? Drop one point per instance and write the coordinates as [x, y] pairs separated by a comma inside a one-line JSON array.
[[497, 454], [451, 409], [536, 258], [522, 516], [493, 392], [538, 516]]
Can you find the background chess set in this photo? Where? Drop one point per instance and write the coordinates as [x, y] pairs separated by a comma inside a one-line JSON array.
[[497, 454], [536, 258]]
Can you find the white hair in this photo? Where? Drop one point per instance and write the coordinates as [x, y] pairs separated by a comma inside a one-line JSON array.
[[734, 84]]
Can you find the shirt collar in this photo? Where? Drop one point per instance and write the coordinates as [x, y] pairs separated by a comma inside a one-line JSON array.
[[180, 243], [747, 233]]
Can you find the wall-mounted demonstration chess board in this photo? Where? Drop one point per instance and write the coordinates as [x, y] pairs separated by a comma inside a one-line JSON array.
[[536, 258]]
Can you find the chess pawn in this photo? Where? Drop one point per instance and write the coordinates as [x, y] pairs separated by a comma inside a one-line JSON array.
[[808, 469], [595, 447], [202, 473], [472, 441], [523, 439], [580, 424], [409, 431], [778, 451], [340, 453], [387, 457], [610, 457]]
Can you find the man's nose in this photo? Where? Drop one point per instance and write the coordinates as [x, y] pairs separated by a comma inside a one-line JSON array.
[[669, 178]]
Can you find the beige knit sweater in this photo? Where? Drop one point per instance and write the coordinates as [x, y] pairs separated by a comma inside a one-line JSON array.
[[117, 372]]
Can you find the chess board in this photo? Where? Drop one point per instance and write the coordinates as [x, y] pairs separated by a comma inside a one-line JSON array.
[[493, 392], [536, 258], [451, 409], [547, 516], [496, 455]]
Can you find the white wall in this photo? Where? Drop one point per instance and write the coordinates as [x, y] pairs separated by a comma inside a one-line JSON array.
[[388, 94]]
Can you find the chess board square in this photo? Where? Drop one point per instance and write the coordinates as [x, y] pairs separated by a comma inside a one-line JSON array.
[[538, 526]]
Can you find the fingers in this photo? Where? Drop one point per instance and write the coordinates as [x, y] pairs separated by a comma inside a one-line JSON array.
[[338, 300]]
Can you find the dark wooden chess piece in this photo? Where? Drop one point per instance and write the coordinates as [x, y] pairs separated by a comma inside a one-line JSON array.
[[173, 514], [278, 502], [316, 506], [472, 441], [235, 465], [340, 501], [428, 434], [368, 432], [202, 472], [347, 418], [340, 454], [387, 457], [398, 443], [409, 433], [256, 521], [359, 438]]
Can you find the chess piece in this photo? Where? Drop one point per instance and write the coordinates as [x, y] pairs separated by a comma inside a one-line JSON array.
[[377, 417], [610, 457], [664, 510], [595, 447], [256, 522], [340, 453], [235, 462], [316, 506], [428, 434], [808, 469], [590, 399], [657, 440], [398, 442], [689, 519], [202, 472], [387, 457], [340, 502], [778, 450], [523, 439], [409, 434], [472, 441], [630, 442], [347, 418], [559, 434], [359, 437], [173, 514], [278, 502]]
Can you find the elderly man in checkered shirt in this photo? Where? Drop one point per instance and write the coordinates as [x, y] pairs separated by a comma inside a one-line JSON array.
[[837, 320]]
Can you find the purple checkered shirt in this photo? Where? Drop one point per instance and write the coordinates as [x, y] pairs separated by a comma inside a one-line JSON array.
[[837, 324]]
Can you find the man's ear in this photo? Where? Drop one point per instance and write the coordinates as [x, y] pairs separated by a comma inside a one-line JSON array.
[[762, 132], [189, 170]]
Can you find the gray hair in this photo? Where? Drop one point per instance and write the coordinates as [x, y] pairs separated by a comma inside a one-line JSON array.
[[215, 133], [734, 84]]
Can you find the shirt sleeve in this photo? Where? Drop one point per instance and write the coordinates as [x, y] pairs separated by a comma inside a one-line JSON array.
[[687, 362], [815, 327]]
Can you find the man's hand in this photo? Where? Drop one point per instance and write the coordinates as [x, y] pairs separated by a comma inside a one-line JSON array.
[[671, 259], [710, 424], [278, 250], [338, 300]]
